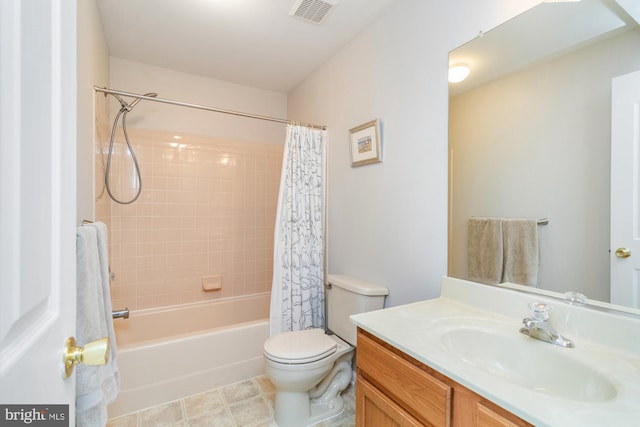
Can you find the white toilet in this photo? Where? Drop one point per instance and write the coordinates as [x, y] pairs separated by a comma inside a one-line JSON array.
[[309, 368]]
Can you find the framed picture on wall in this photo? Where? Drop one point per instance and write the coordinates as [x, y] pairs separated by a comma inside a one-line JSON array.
[[364, 142]]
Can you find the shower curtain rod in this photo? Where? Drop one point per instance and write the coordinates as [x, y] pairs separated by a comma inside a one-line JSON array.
[[202, 107]]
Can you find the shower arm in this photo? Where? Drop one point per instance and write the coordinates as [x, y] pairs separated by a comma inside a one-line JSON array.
[[114, 92]]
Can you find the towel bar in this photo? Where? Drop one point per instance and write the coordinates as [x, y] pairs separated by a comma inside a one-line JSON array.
[[120, 314]]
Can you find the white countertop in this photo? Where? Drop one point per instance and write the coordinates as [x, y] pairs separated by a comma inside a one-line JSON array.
[[608, 343]]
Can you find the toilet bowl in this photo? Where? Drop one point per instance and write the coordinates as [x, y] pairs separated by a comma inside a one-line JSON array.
[[309, 371]]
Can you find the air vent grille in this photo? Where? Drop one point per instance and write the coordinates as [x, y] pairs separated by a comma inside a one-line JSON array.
[[312, 10]]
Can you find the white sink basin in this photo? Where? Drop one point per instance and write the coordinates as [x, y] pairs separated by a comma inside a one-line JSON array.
[[529, 363]]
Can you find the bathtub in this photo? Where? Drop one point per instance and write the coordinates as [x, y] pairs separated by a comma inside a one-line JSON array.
[[171, 353]]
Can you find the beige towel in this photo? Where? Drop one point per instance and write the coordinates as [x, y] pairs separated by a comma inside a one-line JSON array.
[[485, 249], [521, 251]]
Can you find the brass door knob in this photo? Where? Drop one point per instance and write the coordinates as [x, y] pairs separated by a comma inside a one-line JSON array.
[[93, 353], [623, 252]]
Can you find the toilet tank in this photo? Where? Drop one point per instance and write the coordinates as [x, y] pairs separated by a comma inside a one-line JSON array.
[[349, 295]]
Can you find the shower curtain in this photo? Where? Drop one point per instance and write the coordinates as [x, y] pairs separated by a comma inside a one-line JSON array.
[[297, 294]]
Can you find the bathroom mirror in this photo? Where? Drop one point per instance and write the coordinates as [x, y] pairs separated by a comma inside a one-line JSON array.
[[529, 134]]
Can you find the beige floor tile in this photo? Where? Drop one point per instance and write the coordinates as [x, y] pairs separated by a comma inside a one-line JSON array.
[[339, 419], [351, 422], [270, 399], [217, 418], [265, 424], [169, 414], [265, 385], [124, 421], [250, 411], [240, 391], [203, 403], [245, 404]]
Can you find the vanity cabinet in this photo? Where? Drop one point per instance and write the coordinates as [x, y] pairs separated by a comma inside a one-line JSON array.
[[394, 389]]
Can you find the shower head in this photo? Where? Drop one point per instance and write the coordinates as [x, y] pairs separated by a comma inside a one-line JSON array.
[[135, 101]]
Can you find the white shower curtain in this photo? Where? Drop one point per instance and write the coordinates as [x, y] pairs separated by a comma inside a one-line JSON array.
[[297, 294]]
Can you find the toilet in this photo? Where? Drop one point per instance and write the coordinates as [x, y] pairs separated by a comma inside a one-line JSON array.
[[310, 369]]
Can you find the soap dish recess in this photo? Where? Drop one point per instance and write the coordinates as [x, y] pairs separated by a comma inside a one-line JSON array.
[[211, 283]]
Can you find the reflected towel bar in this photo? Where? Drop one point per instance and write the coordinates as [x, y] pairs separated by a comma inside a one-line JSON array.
[[541, 221]]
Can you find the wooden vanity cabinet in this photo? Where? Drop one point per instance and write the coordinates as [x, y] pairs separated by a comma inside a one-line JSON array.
[[394, 389]]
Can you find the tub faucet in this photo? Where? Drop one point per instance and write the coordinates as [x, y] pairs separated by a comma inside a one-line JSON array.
[[538, 327], [120, 314]]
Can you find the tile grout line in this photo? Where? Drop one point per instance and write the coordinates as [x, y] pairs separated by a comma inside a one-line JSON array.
[[183, 408], [264, 399], [261, 391], [227, 408]]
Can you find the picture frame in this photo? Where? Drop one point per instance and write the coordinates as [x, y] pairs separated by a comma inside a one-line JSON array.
[[364, 144]]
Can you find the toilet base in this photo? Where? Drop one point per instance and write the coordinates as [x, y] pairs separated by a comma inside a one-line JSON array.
[[295, 409]]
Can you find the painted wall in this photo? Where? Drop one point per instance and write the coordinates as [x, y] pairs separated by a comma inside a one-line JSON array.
[[388, 221], [136, 77], [93, 70], [537, 144]]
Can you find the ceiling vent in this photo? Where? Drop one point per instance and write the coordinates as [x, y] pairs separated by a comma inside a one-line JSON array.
[[312, 10]]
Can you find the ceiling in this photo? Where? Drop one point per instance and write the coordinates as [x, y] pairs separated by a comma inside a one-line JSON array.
[[249, 42]]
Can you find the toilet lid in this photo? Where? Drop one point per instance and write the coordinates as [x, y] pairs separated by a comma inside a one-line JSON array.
[[298, 347]]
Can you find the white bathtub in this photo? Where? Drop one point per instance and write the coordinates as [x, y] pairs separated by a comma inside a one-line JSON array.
[[168, 354]]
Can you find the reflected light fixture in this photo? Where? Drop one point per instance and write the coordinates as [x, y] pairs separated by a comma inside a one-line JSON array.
[[458, 73]]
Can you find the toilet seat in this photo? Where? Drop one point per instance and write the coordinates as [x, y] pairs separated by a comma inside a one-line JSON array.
[[299, 347]]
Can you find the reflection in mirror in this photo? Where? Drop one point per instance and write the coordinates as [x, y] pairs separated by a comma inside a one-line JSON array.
[[530, 135]]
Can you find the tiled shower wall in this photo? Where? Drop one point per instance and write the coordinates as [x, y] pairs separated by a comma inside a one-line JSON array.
[[207, 208]]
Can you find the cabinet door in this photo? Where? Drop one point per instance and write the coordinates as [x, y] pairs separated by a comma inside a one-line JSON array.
[[428, 398], [489, 418], [375, 409]]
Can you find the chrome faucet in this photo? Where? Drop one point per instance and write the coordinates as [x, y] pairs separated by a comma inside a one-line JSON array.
[[120, 314], [538, 327]]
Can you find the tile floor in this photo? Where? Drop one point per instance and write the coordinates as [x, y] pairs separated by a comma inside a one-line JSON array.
[[245, 404]]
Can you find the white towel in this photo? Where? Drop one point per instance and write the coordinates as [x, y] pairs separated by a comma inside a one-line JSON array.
[[96, 386], [485, 250], [521, 251]]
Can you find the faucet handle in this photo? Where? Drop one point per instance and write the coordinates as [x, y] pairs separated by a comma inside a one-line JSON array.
[[575, 298], [540, 310]]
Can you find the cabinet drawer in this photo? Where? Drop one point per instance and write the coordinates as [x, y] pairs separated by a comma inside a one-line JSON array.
[[421, 394]]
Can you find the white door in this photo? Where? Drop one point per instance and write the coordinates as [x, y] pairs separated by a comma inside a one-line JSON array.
[[625, 190], [37, 201]]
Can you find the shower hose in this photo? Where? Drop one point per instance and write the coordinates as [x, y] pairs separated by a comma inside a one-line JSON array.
[[123, 112]]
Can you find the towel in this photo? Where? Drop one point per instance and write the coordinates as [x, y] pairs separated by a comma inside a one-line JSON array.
[[96, 386], [485, 250], [521, 251]]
